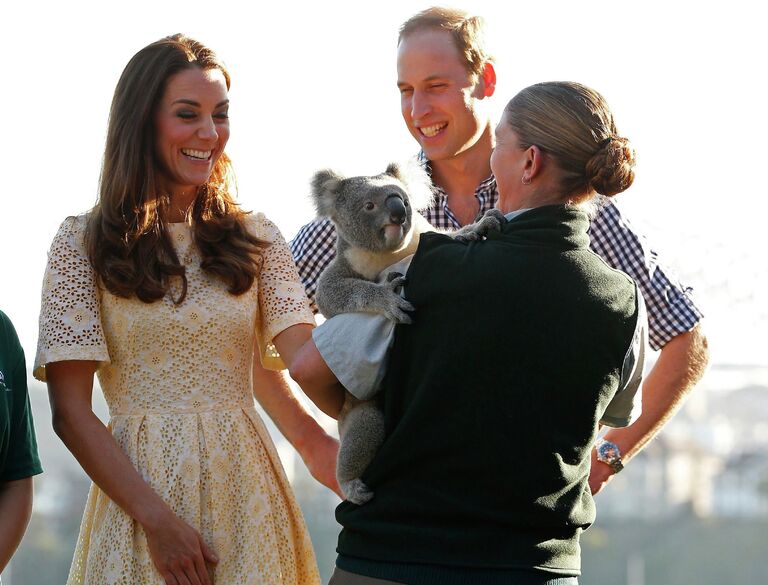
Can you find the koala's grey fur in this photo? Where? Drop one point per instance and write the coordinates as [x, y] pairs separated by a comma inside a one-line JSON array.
[[377, 224], [361, 433]]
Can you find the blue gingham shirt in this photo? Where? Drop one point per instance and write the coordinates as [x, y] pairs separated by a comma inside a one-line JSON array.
[[670, 306]]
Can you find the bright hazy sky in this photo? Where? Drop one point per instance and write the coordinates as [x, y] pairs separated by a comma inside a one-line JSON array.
[[314, 85]]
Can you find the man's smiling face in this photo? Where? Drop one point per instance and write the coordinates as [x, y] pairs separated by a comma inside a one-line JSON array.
[[438, 94]]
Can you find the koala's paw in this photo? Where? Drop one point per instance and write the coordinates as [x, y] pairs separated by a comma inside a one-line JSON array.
[[356, 491], [395, 306], [492, 221]]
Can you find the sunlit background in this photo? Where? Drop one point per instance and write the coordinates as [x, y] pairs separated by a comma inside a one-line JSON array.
[[313, 86]]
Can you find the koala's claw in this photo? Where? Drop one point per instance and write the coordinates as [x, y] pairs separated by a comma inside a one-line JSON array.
[[395, 305], [356, 491], [397, 311], [495, 218], [492, 220], [395, 280]]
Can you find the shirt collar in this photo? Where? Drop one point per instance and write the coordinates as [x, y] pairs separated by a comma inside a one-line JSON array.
[[487, 185], [513, 214]]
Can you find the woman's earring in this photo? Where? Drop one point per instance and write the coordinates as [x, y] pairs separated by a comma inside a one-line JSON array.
[[528, 182]]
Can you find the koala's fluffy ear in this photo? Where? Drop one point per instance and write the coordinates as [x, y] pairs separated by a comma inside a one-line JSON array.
[[325, 184], [396, 169], [416, 180]]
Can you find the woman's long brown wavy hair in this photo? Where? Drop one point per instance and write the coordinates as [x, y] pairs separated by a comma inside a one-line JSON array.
[[127, 240]]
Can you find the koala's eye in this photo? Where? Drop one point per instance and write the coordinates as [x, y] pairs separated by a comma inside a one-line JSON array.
[[405, 202], [369, 206]]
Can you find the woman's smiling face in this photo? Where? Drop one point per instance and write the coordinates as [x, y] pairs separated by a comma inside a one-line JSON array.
[[191, 129]]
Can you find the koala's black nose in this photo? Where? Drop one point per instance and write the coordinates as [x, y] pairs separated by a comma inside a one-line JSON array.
[[396, 209]]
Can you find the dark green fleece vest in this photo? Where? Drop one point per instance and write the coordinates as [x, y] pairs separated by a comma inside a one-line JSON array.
[[492, 400]]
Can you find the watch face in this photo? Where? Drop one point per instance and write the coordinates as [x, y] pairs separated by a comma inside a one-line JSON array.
[[607, 451]]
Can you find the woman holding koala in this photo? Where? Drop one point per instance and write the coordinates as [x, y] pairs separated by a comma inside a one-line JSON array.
[[184, 306], [521, 346]]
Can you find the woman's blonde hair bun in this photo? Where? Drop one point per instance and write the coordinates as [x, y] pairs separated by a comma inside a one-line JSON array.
[[611, 169]]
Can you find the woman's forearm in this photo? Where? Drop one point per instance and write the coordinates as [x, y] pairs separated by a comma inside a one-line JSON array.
[[70, 385], [276, 397], [15, 511], [317, 448], [108, 466]]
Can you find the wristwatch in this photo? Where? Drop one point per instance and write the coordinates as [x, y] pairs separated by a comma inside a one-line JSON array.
[[609, 454]]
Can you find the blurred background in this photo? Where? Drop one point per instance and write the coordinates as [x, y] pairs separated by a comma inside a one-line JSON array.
[[314, 86]]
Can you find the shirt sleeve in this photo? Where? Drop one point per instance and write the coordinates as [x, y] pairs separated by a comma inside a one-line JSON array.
[[626, 405], [21, 458], [313, 248], [70, 310], [671, 310], [355, 347], [282, 300]]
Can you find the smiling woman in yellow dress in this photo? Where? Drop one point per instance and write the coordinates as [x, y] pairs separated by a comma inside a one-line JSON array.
[[184, 306]]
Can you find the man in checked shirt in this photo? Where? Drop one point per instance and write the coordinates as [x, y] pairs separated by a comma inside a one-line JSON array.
[[446, 78]]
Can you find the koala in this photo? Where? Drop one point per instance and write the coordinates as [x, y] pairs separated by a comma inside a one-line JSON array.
[[377, 224]]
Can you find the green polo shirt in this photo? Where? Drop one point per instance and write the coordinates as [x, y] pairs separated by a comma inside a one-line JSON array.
[[18, 447]]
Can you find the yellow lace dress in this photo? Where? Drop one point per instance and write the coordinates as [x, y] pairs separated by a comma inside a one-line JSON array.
[[177, 380]]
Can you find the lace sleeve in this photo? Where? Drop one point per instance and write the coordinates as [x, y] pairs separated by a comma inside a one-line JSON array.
[[282, 300], [70, 316]]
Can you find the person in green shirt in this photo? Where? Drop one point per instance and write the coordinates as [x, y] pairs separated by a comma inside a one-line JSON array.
[[18, 447]]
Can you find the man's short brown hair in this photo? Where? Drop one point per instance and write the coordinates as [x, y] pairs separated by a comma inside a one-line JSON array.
[[468, 33]]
